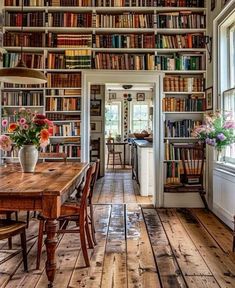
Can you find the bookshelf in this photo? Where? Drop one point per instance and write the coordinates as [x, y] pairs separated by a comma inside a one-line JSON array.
[[63, 38]]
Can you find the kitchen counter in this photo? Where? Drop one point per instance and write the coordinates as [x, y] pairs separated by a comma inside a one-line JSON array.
[[143, 143]]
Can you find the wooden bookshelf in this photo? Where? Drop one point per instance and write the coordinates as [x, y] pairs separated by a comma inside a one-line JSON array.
[[65, 37]]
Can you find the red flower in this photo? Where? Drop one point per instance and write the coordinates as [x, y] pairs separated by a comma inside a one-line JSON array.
[[40, 116], [39, 122]]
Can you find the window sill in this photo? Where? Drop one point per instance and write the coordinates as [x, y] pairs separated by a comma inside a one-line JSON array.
[[225, 167]]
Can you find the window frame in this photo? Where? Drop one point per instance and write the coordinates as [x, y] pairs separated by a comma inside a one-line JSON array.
[[119, 104], [135, 102]]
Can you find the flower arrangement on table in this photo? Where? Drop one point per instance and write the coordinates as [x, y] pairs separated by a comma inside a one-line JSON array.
[[217, 130], [28, 129]]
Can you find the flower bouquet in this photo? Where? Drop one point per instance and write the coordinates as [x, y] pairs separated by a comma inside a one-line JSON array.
[[29, 132], [217, 130]]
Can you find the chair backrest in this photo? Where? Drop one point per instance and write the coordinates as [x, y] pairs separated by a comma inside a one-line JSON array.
[[53, 155], [95, 176], [110, 141], [193, 163], [86, 190]]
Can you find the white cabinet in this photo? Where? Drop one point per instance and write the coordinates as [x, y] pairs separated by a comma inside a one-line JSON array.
[[224, 195], [145, 170]]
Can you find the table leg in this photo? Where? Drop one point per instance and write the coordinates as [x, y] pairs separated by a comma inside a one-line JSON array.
[[50, 242], [124, 148]]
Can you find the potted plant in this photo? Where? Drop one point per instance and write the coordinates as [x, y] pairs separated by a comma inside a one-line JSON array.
[[217, 131], [28, 132]]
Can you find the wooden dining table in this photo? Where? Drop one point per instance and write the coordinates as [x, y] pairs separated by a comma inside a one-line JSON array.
[[44, 190]]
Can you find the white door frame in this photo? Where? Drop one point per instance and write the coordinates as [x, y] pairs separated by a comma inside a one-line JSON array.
[[103, 77]]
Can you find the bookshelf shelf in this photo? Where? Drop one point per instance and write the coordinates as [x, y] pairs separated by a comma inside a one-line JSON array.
[[182, 93], [184, 112]]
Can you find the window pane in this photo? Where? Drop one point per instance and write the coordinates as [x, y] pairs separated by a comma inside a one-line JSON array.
[[232, 55], [140, 117], [229, 107], [112, 119]]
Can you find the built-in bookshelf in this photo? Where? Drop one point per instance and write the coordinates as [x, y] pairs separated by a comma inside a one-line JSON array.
[[64, 37]]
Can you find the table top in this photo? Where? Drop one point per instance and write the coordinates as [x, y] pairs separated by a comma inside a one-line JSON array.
[[52, 178]]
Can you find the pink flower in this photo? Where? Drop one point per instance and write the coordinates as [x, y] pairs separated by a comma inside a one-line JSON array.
[[4, 123], [22, 121], [229, 124], [25, 126], [5, 143], [48, 122]]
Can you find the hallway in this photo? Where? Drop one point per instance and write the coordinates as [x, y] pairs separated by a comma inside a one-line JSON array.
[[138, 246]]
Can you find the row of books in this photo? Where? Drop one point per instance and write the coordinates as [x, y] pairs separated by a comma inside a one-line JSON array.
[[125, 41], [68, 19], [63, 116], [69, 40], [124, 61], [63, 104], [125, 20], [192, 103], [23, 98], [72, 150], [172, 172], [70, 59], [108, 3], [63, 92], [180, 128], [32, 60], [30, 19], [38, 39], [180, 62], [149, 3], [79, 3], [189, 40], [64, 80], [26, 39], [183, 84], [70, 129], [184, 19], [25, 2]]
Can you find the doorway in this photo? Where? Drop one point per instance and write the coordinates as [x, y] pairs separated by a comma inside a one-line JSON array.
[[117, 77]]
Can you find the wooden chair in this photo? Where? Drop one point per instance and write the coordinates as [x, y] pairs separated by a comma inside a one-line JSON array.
[[51, 156], [112, 152], [77, 212], [10, 228], [90, 204], [193, 158], [8, 217]]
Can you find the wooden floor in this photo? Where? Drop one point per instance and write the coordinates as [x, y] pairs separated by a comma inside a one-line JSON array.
[[138, 247]]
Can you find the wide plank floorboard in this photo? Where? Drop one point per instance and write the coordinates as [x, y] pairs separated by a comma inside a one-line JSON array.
[[138, 246]]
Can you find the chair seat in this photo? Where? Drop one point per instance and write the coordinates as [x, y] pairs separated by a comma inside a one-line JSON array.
[[69, 209], [115, 152], [10, 227]]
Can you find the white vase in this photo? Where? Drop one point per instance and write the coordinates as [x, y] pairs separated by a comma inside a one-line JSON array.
[[28, 156]]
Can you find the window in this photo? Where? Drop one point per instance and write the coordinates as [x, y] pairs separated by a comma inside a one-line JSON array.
[[225, 84], [113, 119], [231, 46], [140, 117], [229, 105]]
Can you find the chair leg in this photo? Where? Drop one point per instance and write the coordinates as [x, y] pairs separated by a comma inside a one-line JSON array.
[[202, 194], [16, 215], [88, 235], [8, 216], [120, 157], [83, 241], [40, 239], [24, 249], [27, 219], [92, 224], [107, 162]]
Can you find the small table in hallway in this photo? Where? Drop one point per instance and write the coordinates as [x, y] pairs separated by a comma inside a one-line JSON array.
[[124, 150]]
